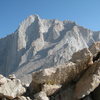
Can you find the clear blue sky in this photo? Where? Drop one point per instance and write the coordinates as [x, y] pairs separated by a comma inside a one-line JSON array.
[[84, 12]]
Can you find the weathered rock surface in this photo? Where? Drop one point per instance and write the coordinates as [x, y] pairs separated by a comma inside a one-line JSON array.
[[41, 96], [11, 89], [95, 48], [58, 75], [83, 59], [89, 81]]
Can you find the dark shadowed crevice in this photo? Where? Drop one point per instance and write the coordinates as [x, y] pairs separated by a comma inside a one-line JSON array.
[[96, 93], [96, 57]]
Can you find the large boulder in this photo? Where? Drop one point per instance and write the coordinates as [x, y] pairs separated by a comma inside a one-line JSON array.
[[12, 89], [89, 81], [63, 73], [57, 75]]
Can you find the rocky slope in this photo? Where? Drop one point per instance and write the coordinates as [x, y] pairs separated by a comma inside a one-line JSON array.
[[41, 43], [78, 79]]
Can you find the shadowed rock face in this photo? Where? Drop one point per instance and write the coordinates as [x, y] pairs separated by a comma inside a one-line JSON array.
[[40, 43], [96, 93]]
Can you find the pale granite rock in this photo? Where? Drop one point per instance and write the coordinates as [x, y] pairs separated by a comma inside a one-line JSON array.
[[95, 48], [58, 75], [41, 96], [89, 81], [83, 58], [12, 89]]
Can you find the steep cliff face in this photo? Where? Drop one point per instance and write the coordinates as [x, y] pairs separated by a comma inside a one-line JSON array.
[[40, 43]]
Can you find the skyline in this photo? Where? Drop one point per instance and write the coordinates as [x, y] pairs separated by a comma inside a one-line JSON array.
[[84, 13]]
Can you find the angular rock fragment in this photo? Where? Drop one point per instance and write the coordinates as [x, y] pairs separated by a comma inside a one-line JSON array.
[[58, 75], [95, 48], [89, 81], [41, 96], [12, 89], [83, 58]]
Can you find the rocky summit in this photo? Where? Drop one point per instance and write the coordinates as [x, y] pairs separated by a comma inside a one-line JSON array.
[[41, 43], [77, 79]]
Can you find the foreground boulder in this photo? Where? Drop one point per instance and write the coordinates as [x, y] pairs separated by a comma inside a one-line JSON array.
[[83, 58], [63, 73], [11, 89], [58, 75], [89, 81]]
